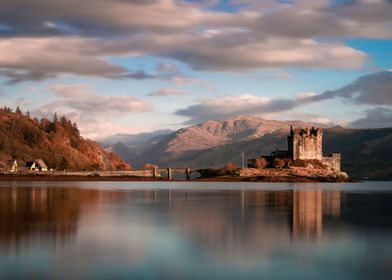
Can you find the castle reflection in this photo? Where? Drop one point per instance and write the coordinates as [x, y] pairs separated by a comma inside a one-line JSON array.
[[229, 219]]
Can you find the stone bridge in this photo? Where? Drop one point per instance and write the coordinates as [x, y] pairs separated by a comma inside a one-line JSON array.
[[170, 171], [155, 173]]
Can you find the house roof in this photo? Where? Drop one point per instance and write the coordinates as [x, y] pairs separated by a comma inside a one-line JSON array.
[[41, 163], [38, 162]]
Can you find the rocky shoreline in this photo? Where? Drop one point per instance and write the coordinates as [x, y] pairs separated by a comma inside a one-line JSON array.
[[296, 173], [240, 175]]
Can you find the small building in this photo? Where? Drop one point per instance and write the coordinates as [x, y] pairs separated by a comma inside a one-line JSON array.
[[12, 165], [37, 165]]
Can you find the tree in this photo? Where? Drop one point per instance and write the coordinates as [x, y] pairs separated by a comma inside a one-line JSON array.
[[55, 118], [18, 111], [64, 163], [150, 166], [229, 168], [279, 163], [261, 163]]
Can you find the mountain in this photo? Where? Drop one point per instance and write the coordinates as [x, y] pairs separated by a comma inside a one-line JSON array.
[[57, 142], [133, 139], [134, 146], [365, 153], [191, 146]]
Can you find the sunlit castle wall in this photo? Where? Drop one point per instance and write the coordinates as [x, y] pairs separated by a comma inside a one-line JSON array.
[[305, 143]]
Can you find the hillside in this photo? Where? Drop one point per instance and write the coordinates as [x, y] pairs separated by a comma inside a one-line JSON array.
[[57, 142], [366, 153]]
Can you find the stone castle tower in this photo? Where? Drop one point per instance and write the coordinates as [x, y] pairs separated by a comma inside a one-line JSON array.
[[305, 143]]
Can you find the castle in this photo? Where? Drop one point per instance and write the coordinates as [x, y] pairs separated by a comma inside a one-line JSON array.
[[304, 145]]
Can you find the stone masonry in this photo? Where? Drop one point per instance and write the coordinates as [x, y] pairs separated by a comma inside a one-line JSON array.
[[305, 143]]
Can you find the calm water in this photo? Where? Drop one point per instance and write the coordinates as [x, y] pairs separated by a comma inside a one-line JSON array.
[[122, 230]]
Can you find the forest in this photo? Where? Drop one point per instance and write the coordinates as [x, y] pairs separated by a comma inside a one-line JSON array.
[[57, 141]]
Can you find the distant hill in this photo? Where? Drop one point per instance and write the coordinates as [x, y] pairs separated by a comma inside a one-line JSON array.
[[366, 152], [131, 146], [57, 142], [133, 139]]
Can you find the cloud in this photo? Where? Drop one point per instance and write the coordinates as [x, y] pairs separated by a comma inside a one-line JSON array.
[[222, 54], [78, 37], [167, 92], [225, 107], [95, 114], [100, 17], [299, 19], [24, 59], [38, 58], [32, 89], [283, 76], [318, 119], [17, 76], [373, 89], [138, 75], [378, 117], [305, 95], [171, 72], [94, 129], [81, 98]]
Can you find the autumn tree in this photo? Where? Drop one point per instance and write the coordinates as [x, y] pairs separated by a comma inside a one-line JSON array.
[[229, 168], [279, 163], [260, 163], [150, 166], [64, 163]]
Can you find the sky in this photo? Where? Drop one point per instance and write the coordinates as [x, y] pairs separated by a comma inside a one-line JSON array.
[[132, 66]]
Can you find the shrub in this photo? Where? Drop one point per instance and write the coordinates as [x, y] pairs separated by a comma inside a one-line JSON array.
[[150, 166], [123, 167], [261, 163], [229, 168], [279, 163]]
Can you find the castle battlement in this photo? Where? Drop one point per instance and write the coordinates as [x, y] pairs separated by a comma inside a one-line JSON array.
[[305, 143], [306, 132]]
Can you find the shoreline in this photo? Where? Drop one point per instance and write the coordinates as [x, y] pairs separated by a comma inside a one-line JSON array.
[[267, 179]]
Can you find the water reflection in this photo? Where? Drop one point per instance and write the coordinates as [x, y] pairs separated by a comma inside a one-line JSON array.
[[163, 233], [45, 212]]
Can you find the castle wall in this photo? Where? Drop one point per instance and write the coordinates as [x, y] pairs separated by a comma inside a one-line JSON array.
[[333, 161], [305, 144]]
